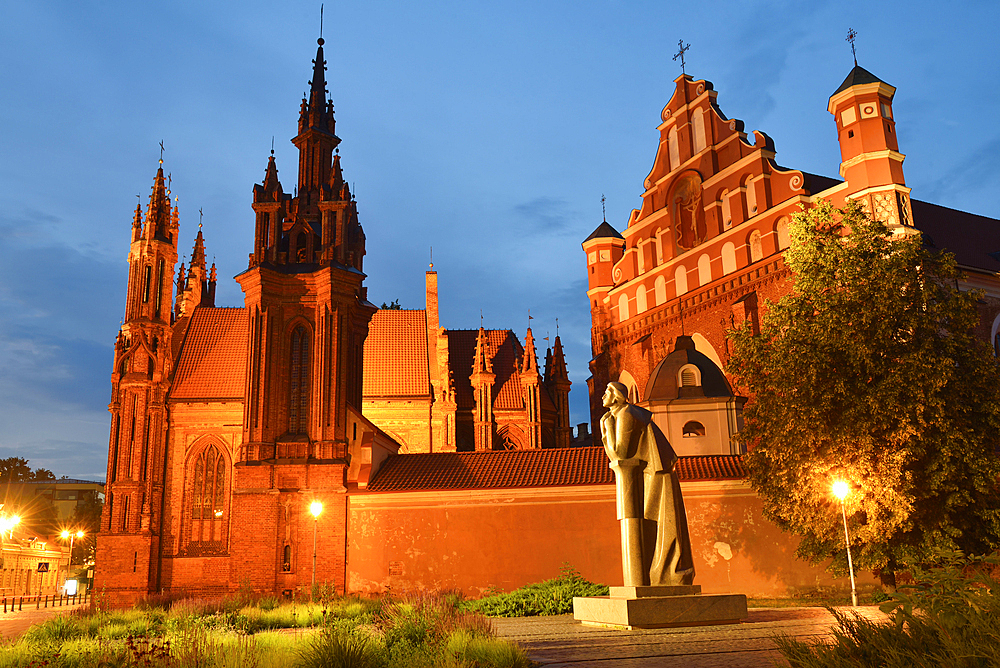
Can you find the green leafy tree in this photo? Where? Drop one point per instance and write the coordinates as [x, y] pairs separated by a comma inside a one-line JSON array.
[[869, 372], [16, 469], [392, 306]]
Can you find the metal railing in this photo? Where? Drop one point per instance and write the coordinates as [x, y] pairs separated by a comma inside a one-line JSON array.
[[17, 603]]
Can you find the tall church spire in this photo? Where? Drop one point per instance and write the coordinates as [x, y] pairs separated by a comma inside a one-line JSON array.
[[316, 139], [158, 212], [558, 383]]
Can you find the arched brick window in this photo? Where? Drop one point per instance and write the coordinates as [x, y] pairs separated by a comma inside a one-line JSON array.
[[693, 429], [298, 404], [208, 497]]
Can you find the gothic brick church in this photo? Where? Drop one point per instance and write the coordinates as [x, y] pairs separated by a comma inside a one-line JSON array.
[[228, 422]]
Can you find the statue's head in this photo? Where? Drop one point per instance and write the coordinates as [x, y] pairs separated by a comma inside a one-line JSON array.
[[615, 395]]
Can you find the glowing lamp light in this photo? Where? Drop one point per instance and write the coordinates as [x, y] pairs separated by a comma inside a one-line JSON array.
[[315, 508], [841, 489], [7, 523], [65, 534]]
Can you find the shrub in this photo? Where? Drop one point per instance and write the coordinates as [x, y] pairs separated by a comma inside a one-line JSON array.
[[948, 618], [480, 651], [56, 629], [334, 649], [552, 597]]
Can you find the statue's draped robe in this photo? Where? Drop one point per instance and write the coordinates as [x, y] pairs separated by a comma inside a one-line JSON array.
[[638, 438]]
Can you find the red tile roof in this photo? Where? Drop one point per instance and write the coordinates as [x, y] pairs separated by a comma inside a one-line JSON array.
[[395, 356], [212, 362], [554, 467]]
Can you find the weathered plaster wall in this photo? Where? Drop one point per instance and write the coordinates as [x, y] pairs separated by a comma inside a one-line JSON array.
[[472, 540]]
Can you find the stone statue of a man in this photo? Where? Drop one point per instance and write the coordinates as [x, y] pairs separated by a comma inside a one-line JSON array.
[[656, 549]]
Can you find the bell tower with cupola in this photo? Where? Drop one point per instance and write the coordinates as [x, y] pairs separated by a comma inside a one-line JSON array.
[[870, 159]]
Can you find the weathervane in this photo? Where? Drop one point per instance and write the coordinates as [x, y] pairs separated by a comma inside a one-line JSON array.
[[272, 144], [681, 48], [321, 20], [604, 211], [851, 35], [432, 257]]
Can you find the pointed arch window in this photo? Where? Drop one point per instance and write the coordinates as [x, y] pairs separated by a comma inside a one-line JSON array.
[[298, 407], [208, 497]]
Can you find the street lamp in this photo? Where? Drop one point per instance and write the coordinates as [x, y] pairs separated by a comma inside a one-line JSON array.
[[7, 524], [69, 534], [315, 508], [840, 490]]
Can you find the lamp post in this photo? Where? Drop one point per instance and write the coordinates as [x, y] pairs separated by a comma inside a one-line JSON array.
[[315, 508], [840, 490], [71, 535]]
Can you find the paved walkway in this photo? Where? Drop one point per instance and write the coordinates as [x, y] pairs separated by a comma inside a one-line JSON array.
[[560, 642], [13, 624]]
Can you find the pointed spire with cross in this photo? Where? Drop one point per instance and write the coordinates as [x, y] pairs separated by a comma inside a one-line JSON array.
[[681, 48], [851, 36]]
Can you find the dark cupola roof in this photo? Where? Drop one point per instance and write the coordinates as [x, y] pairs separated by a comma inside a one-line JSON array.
[[604, 230], [857, 77]]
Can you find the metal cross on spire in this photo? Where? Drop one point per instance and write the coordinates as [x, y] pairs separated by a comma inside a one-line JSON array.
[[681, 48], [161, 151], [201, 214], [851, 35], [604, 211]]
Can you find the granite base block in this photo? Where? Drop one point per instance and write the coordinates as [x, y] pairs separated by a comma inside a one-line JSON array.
[[656, 612]]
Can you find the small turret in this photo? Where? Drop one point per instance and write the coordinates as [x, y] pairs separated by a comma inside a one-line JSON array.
[[558, 383], [870, 159], [197, 289], [482, 380]]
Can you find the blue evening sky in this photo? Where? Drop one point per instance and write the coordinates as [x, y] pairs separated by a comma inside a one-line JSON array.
[[486, 130]]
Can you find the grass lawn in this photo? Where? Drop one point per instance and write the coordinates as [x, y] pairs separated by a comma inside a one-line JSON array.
[[412, 631]]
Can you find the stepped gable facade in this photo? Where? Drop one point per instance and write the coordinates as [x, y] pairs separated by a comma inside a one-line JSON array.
[[446, 390], [228, 422], [704, 251]]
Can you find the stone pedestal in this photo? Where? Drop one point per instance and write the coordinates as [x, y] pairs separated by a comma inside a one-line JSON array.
[[659, 607]]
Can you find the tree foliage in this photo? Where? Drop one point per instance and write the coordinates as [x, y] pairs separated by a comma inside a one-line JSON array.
[[16, 469], [869, 371]]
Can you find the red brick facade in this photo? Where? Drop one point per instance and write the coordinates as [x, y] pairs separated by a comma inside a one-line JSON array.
[[228, 423], [704, 251]]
